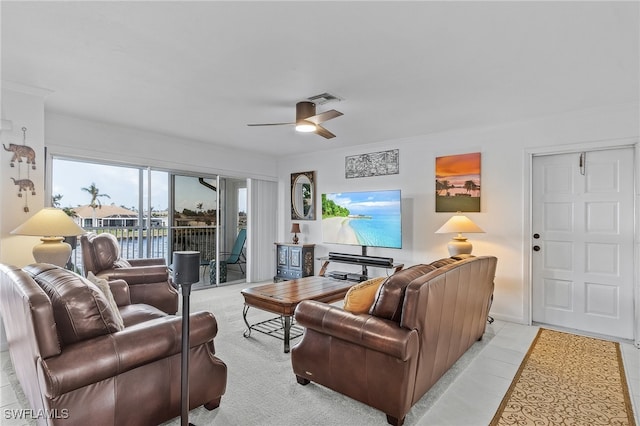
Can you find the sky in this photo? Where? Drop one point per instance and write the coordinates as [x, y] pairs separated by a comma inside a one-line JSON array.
[[121, 184], [457, 169], [368, 202]]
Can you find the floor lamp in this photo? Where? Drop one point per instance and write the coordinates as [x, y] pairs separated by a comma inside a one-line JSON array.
[[186, 271]]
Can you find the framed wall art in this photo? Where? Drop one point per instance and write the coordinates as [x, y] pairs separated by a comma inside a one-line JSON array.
[[372, 164], [303, 194], [458, 183]]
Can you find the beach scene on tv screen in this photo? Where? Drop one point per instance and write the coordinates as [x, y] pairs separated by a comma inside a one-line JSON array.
[[371, 218]]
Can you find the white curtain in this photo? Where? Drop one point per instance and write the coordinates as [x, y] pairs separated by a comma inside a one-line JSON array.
[[262, 214]]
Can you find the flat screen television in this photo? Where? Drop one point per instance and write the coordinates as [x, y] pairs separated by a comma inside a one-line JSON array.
[[368, 218]]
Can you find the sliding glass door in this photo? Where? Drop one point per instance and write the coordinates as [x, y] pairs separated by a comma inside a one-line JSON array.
[[154, 213], [207, 216], [128, 202]]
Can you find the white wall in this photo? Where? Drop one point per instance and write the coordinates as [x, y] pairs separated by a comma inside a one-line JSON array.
[[504, 180], [80, 138], [24, 107]]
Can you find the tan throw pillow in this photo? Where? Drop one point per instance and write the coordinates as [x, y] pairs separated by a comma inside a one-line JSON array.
[[103, 285], [360, 297]]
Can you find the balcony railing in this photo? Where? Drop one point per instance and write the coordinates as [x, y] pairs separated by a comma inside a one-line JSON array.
[[154, 242]]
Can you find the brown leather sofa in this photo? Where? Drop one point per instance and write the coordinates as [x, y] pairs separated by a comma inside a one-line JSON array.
[[148, 279], [78, 365], [422, 320]]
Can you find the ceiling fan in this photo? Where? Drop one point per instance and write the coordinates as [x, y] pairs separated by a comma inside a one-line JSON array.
[[308, 121]]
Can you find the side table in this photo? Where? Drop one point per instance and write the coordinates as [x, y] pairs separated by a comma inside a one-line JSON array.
[[293, 261]]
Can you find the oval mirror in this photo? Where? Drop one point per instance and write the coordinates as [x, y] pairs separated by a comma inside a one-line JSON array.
[[302, 196]]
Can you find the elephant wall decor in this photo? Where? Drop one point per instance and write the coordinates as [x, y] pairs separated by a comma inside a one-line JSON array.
[[24, 185], [20, 152], [23, 180]]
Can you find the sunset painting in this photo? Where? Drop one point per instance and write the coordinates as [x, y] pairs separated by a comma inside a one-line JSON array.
[[458, 183]]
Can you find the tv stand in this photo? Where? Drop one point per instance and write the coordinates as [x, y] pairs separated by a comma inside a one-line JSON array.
[[357, 260]]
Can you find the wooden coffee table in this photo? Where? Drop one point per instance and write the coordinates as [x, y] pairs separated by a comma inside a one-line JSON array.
[[281, 298]]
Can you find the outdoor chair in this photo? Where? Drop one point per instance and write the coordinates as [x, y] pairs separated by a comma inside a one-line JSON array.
[[236, 256]]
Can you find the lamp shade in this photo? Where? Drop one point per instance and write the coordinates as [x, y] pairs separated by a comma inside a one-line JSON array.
[[52, 225], [458, 224], [49, 222]]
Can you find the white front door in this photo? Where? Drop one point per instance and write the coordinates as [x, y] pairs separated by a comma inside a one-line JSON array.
[[582, 259]]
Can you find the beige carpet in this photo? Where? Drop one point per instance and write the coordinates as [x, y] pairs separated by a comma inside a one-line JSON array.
[[566, 379]]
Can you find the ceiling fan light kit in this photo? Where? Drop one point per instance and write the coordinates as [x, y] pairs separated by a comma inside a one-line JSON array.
[[308, 121], [305, 126]]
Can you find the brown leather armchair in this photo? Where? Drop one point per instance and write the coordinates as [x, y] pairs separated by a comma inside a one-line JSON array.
[[148, 279], [422, 320], [80, 366]]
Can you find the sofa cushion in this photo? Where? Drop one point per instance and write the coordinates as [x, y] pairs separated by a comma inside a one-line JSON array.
[[80, 309], [388, 303], [442, 262], [104, 286], [360, 297], [449, 260]]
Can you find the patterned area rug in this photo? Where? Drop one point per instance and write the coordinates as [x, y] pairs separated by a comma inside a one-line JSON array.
[[567, 379]]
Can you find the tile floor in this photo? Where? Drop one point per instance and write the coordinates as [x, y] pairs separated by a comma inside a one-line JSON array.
[[471, 398]]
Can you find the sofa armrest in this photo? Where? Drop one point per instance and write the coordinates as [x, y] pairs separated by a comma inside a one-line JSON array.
[[365, 330], [151, 261], [120, 291], [106, 356], [137, 274]]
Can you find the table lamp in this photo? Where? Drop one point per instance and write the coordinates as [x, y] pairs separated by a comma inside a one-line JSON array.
[[52, 225], [459, 224], [295, 230]]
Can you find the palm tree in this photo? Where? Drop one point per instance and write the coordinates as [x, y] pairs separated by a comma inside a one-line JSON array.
[[470, 185], [95, 200], [443, 185], [55, 200]]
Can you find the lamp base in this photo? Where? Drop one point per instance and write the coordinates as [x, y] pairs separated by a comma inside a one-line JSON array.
[[295, 239], [52, 250], [459, 246]]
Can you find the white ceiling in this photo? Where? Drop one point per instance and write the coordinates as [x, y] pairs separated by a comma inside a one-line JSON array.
[[203, 70]]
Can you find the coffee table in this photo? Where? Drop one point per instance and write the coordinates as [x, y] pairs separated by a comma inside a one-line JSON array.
[[281, 298]]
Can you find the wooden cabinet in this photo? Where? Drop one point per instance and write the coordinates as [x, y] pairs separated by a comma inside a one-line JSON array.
[[293, 261]]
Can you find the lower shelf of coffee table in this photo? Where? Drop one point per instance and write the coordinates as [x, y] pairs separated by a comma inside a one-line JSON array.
[[275, 327]]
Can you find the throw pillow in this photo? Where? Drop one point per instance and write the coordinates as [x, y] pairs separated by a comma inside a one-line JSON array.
[[360, 297], [80, 309], [103, 285], [389, 300]]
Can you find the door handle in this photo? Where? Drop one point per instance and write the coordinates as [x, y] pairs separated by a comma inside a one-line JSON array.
[[536, 236], [536, 248]]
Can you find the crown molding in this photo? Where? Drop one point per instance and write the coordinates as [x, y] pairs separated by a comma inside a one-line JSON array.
[[26, 89]]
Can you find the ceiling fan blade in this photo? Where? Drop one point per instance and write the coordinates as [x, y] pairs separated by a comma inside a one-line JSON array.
[[270, 124], [324, 116], [324, 132]]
